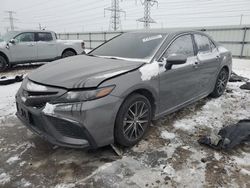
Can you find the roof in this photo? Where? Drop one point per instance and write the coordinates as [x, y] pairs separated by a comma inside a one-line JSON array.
[[166, 31], [33, 31]]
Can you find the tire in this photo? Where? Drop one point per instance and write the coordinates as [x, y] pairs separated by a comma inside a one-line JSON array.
[[131, 124], [3, 64], [221, 83], [68, 53]]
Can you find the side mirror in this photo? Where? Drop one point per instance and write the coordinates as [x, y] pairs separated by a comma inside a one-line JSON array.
[[12, 41], [175, 59]]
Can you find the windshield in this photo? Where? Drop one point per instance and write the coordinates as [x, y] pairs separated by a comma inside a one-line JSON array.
[[131, 46], [9, 35]]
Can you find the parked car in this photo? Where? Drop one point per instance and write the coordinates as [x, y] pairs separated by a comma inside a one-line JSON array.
[[18, 47], [111, 94]]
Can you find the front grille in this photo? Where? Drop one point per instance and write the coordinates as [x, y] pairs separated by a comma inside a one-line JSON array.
[[35, 93], [67, 128], [34, 121]]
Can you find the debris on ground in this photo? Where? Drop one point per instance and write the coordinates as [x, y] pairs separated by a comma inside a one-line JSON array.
[[118, 150], [10, 80], [228, 137], [245, 86], [236, 78]]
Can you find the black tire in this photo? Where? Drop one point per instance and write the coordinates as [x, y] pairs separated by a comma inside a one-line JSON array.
[[131, 124], [68, 53], [221, 83], [3, 64]]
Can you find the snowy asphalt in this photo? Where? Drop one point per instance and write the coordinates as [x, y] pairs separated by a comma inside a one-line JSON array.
[[169, 156]]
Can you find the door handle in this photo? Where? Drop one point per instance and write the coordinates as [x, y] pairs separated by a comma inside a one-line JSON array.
[[30, 44], [217, 57]]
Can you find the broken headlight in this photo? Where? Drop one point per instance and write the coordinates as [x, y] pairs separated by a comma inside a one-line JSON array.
[[84, 95]]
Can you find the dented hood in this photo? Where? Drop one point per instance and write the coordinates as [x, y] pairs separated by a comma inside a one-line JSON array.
[[81, 71]]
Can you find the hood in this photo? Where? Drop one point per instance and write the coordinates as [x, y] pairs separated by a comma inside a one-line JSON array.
[[81, 71]]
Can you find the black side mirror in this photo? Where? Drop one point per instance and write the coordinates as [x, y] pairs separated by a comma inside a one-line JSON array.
[[175, 59], [12, 41]]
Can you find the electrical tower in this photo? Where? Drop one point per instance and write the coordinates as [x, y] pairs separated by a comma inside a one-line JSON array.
[[115, 20], [147, 11], [11, 19]]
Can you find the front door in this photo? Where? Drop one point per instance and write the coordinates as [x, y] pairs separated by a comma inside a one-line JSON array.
[[180, 84], [24, 48]]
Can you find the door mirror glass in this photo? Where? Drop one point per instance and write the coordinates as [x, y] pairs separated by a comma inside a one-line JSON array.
[[175, 59]]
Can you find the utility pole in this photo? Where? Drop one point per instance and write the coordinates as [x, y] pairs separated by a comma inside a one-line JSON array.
[[11, 19], [115, 20], [241, 18], [147, 11]]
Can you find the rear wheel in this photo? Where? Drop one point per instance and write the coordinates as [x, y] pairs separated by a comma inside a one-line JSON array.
[[221, 83], [133, 120], [68, 53], [3, 64]]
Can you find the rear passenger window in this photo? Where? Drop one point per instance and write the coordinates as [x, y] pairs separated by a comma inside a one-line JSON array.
[[44, 37], [183, 45], [203, 43]]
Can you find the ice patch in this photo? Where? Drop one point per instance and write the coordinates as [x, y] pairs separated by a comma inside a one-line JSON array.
[[4, 178], [245, 172], [13, 159], [64, 185], [49, 108], [167, 169], [167, 135], [149, 70], [25, 183]]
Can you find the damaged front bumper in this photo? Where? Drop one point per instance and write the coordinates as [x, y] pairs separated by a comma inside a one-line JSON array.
[[86, 124]]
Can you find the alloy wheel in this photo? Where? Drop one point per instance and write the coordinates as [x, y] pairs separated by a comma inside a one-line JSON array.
[[136, 120], [222, 82]]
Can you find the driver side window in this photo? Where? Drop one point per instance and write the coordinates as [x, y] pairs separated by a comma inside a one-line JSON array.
[[183, 45], [25, 37]]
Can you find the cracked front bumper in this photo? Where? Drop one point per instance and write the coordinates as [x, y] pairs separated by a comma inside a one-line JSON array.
[[87, 124]]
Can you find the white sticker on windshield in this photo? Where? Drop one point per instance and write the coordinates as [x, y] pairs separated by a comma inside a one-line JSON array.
[[152, 38]]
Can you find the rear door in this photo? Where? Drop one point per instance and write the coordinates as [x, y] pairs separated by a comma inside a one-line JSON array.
[[46, 46], [180, 84], [25, 48], [208, 60]]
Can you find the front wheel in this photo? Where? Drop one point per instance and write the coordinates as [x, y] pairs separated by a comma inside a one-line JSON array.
[[133, 120], [221, 83], [3, 64]]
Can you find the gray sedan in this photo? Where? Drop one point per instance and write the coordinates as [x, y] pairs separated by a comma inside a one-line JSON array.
[[111, 94]]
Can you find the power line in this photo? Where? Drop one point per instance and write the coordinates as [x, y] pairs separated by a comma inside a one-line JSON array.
[[11, 19], [147, 11], [115, 20]]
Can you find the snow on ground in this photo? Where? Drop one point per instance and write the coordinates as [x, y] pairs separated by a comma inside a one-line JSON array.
[[169, 156], [7, 105]]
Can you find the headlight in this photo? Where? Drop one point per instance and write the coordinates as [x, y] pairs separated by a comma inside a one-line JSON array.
[[84, 95]]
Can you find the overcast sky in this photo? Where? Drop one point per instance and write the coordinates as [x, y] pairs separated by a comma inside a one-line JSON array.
[[88, 15]]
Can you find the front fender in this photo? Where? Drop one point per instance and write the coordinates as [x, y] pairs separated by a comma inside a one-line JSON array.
[[130, 82]]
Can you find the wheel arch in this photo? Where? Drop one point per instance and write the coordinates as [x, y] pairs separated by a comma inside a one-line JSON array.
[[146, 93], [5, 57]]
